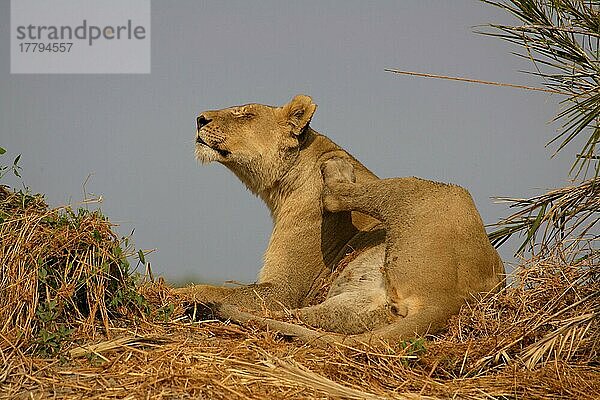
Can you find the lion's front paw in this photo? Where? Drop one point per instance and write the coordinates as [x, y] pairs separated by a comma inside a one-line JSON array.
[[197, 302], [203, 311]]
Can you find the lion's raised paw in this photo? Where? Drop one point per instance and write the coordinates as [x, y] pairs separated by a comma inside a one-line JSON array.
[[338, 173], [338, 170]]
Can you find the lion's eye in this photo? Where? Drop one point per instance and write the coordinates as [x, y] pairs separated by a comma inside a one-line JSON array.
[[245, 115]]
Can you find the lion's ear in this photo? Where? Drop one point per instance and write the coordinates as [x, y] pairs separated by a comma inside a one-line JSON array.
[[298, 112]]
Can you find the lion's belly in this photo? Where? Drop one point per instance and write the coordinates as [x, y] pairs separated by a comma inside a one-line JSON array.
[[356, 301], [362, 274]]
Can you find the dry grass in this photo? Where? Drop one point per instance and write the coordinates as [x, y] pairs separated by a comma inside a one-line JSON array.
[[74, 325]]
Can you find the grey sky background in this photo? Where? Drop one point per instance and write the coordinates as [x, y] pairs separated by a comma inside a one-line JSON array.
[[135, 133]]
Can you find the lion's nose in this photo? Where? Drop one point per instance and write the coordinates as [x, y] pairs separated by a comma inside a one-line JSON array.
[[201, 121]]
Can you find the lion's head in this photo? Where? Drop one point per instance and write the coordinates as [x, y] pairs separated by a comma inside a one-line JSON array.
[[258, 143]]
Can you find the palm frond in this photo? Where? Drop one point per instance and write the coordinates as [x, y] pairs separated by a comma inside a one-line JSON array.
[[569, 212], [562, 38]]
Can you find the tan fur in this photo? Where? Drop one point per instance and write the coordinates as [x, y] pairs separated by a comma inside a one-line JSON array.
[[421, 247]]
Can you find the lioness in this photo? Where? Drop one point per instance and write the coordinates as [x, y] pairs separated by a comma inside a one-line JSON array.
[[418, 249]]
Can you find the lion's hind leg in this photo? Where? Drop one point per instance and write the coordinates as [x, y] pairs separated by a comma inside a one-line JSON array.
[[418, 299], [348, 313]]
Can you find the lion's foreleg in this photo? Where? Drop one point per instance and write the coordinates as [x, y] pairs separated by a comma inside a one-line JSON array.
[[307, 335], [251, 297]]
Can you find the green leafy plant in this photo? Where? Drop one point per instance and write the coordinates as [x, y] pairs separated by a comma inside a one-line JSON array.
[[49, 343], [15, 167], [166, 312], [413, 349]]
